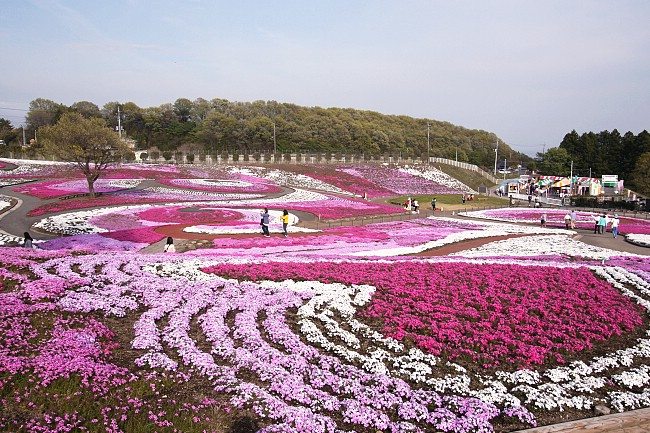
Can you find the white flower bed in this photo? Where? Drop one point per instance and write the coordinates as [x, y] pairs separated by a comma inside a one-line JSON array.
[[437, 176], [14, 181], [541, 245], [249, 223], [5, 203], [179, 193], [29, 166], [641, 240], [212, 183]]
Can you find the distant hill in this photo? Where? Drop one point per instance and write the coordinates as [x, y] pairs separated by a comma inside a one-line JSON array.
[[219, 126]]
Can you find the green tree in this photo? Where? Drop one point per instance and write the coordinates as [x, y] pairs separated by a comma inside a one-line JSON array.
[[43, 112], [555, 162], [7, 132], [89, 143], [86, 109], [641, 174]]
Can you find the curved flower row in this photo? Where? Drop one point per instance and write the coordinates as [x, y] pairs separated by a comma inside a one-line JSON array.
[[638, 239], [407, 180], [255, 357], [57, 188], [246, 184], [439, 177], [292, 179], [607, 379], [537, 245], [5, 203]]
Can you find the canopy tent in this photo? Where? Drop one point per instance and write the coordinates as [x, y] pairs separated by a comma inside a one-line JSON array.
[[562, 183]]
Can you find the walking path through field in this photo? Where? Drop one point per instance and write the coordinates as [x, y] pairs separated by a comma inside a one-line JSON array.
[[634, 421]]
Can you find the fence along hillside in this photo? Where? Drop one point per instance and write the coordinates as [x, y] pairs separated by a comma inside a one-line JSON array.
[[293, 158]]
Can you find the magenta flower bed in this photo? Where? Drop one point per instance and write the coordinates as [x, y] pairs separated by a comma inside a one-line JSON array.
[[144, 235], [496, 315], [183, 215], [353, 184], [86, 202]]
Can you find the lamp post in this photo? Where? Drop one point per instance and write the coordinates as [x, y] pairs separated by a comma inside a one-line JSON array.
[[275, 146]]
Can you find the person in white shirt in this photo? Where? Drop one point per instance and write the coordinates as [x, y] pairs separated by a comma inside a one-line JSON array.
[[615, 223], [169, 246]]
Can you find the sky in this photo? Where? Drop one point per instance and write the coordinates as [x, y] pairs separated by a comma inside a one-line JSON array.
[[528, 71]]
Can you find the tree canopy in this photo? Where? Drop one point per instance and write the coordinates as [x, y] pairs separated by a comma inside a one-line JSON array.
[[607, 153], [89, 143], [221, 126]]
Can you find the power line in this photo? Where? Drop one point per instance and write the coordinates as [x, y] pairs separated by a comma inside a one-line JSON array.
[[17, 109]]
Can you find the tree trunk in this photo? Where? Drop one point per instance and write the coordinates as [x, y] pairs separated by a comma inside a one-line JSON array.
[[91, 186]]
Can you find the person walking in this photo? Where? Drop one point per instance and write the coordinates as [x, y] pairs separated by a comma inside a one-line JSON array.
[[169, 246], [28, 241], [285, 222], [416, 206], [433, 204], [265, 223], [574, 218], [543, 220], [567, 221], [615, 223], [602, 222]]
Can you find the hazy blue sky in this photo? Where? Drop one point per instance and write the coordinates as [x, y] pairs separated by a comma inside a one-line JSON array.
[[529, 71]]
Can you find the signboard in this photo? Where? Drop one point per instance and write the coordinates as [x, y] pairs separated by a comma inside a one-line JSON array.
[[610, 180]]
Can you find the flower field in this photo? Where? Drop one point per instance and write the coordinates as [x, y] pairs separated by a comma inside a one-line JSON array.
[[437, 324]]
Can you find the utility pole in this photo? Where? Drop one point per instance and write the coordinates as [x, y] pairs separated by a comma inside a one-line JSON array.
[[456, 153], [24, 139], [571, 180], [428, 142], [275, 147], [496, 152], [505, 164], [119, 122]]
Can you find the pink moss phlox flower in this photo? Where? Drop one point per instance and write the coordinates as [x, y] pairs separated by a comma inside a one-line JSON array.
[[494, 315]]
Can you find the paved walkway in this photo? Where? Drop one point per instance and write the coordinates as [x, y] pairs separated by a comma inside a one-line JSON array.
[[635, 421], [606, 240]]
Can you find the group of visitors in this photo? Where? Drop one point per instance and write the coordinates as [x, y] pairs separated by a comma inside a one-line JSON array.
[[603, 220], [265, 219], [570, 220], [530, 201], [467, 197], [411, 205]]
